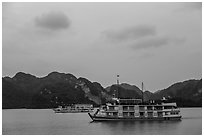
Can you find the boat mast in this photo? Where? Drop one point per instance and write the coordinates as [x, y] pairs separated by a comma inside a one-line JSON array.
[[118, 85], [142, 92]]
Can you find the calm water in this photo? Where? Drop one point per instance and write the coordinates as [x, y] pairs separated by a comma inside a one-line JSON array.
[[46, 122]]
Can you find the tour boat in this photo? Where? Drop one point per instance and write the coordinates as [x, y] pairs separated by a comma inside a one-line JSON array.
[[136, 109]]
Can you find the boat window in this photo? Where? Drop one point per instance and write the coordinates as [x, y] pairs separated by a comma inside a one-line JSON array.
[[115, 114], [167, 107], [158, 108], [125, 114], [141, 113], [174, 113], [131, 114], [125, 108], [131, 108], [150, 114], [149, 108], [141, 108], [111, 107]]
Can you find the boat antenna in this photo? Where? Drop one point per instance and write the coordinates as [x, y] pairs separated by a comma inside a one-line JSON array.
[[118, 85], [142, 92]]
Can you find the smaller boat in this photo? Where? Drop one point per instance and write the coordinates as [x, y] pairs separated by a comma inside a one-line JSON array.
[[76, 108]]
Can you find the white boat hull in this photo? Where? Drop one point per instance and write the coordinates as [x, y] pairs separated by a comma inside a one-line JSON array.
[[111, 118]]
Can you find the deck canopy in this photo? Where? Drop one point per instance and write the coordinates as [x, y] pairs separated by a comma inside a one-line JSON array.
[[130, 101]]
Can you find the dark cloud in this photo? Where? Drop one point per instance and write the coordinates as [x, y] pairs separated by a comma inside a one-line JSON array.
[[156, 42], [130, 33], [141, 37], [53, 21]]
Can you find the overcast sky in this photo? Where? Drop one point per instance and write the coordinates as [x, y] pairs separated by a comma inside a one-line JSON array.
[[155, 43]]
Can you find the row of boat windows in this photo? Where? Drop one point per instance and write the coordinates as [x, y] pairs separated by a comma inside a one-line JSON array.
[[141, 114], [84, 107], [140, 107]]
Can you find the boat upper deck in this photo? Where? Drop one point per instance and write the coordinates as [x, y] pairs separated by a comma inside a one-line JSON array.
[[133, 102]]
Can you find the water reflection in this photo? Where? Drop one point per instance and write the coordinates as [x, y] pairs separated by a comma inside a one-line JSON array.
[[138, 127]]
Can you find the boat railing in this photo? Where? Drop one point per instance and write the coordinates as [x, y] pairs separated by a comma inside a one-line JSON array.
[[128, 109], [158, 109], [172, 110]]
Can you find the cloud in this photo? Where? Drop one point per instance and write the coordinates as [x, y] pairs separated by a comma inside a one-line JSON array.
[[140, 37], [53, 21], [130, 33], [147, 43], [156, 42]]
